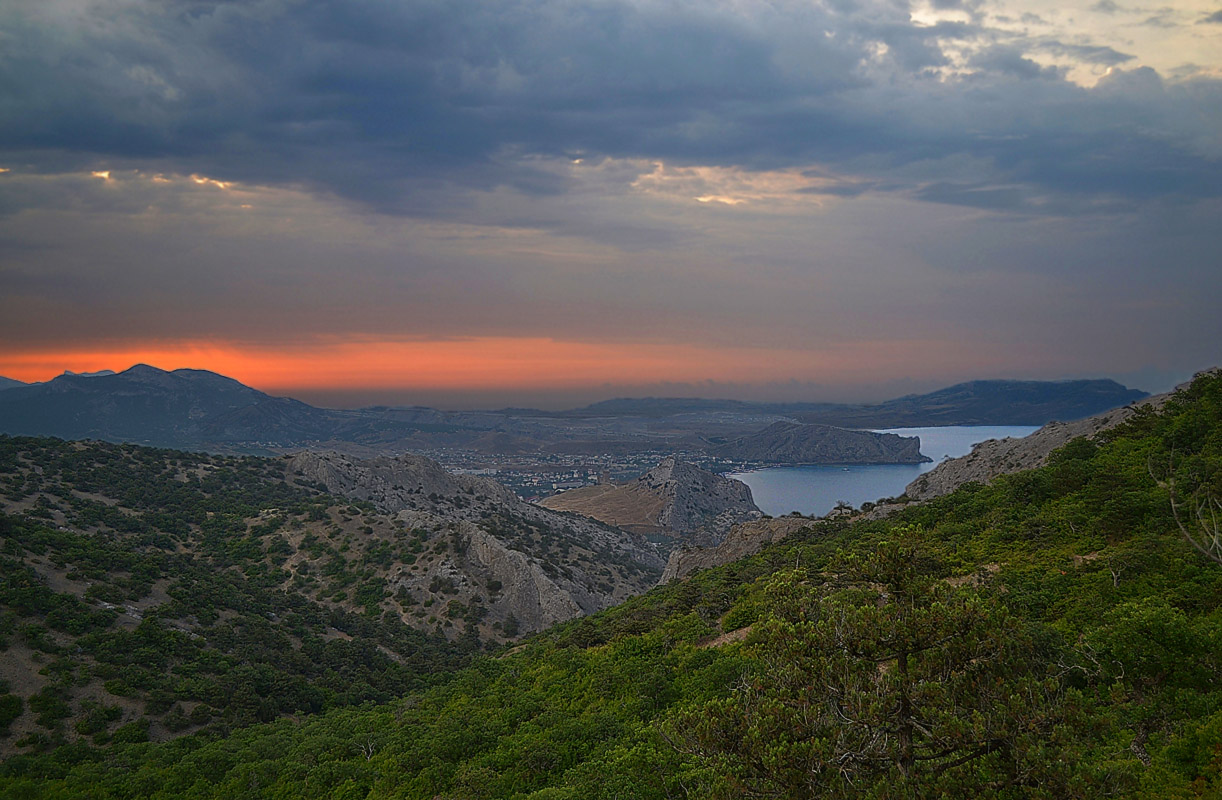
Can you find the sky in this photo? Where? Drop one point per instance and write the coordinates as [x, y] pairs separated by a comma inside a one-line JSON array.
[[538, 202]]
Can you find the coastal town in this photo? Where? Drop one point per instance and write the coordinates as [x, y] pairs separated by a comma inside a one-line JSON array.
[[536, 476]]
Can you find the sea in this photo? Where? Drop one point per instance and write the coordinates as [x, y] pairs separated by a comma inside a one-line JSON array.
[[817, 488]]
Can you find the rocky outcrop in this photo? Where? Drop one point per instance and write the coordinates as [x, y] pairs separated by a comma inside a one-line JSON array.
[[743, 540], [674, 497], [403, 481], [795, 443], [546, 566], [995, 457]]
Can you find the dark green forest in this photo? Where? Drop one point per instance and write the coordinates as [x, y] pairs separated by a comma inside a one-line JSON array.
[[1055, 634]]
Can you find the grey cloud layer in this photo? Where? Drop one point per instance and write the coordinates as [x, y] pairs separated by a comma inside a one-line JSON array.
[[397, 103], [942, 185]]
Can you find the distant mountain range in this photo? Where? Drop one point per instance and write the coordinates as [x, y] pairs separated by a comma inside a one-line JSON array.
[[200, 410], [145, 405], [995, 402]]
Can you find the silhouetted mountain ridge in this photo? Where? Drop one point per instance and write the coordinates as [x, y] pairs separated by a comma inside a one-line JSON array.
[[992, 402], [146, 405], [201, 410]]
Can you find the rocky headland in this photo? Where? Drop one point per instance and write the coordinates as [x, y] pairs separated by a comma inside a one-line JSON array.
[[674, 498], [995, 457], [796, 443]]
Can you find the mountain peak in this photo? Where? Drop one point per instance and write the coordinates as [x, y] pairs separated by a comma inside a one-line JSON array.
[[144, 373], [102, 373], [212, 379]]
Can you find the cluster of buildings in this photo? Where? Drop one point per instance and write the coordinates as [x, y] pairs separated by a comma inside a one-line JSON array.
[[537, 475]]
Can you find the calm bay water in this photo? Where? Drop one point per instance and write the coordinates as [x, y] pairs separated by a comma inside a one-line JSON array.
[[816, 489]]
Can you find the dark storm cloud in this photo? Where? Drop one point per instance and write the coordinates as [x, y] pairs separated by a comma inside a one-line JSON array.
[[1215, 17], [405, 105], [1100, 158], [1010, 61], [1089, 54]]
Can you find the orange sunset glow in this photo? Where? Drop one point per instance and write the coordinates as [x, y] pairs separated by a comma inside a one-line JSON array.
[[501, 363]]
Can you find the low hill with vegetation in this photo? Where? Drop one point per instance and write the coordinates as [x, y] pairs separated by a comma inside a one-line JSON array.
[[1055, 634], [155, 593]]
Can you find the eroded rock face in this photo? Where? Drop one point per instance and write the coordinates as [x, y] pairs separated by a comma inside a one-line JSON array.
[[674, 497], [698, 499], [745, 539], [794, 443], [996, 457], [546, 566], [398, 482], [535, 599]]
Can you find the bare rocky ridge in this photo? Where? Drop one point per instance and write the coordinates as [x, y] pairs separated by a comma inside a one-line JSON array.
[[548, 566], [995, 457], [675, 498], [794, 443], [743, 540]]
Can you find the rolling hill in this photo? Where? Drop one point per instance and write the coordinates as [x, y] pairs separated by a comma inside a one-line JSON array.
[[156, 593]]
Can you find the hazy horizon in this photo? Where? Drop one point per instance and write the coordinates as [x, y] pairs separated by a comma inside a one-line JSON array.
[[565, 399]]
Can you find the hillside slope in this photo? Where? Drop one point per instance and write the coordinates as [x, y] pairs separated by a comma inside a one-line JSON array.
[[1050, 635], [173, 591], [551, 566], [995, 457]]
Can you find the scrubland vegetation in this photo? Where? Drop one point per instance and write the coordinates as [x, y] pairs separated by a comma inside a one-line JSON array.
[[1051, 635]]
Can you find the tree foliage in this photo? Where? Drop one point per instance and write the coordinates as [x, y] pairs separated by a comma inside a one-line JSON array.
[[883, 680]]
